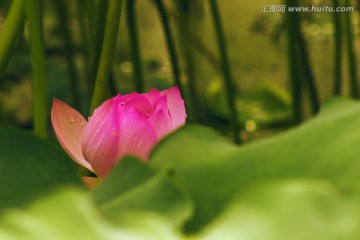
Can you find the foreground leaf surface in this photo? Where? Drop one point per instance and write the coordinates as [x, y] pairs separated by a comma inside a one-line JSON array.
[[301, 184], [70, 214], [293, 209], [133, 187], [30, 167], [214, 171]]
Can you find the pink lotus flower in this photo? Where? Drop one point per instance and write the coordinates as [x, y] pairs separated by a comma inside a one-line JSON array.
[[123, 125]]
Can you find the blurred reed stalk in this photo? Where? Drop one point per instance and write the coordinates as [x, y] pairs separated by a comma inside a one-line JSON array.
[[293, 62], [107, 53], [138, 74], [164, 19], [63, 20], [300, 71], [337, 50], [229, 85], [199, 46], [38, 62], [354, 86], [184, 23], [97, 18], [306, 67], [85, 13], [11, 31]]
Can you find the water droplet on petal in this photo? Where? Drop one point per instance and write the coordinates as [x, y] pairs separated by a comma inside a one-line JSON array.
[[71, 119], [89, 118]]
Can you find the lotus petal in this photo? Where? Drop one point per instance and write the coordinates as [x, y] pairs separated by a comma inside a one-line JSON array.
[[152, 96], [116, 129], [176, 106], [68, 125], [100, 141], [140, 102], [161, 119]]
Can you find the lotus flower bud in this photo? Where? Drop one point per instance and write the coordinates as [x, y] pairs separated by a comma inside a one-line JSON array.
[[123, 125]]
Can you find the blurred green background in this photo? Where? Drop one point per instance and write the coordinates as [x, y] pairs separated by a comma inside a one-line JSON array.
[[275, 69], [256, 44]]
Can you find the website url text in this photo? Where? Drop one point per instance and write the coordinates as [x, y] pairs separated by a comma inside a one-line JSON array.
[[324, 8]]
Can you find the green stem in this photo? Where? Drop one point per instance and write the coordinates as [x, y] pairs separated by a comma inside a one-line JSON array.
[[184, 24], [87, 13], [293, 64], [112, 84], [305, 63], [228, 79], [11, 30], [97, 37], [199, 46], [337, 50], [191, 79], [86, 19], [63, 20], [170, 43], [351, 55], [38, 67], [138, 74], [107, 53]]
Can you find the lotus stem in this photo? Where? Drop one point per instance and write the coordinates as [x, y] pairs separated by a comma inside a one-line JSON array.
[[170, 43], [107, 53], [11, 30], [96, 18], [306, 65], [38, 67], [138, 73], [226, 71], [354, 86], [183, 22], [293, 64], [63, 20], [337, 50]]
